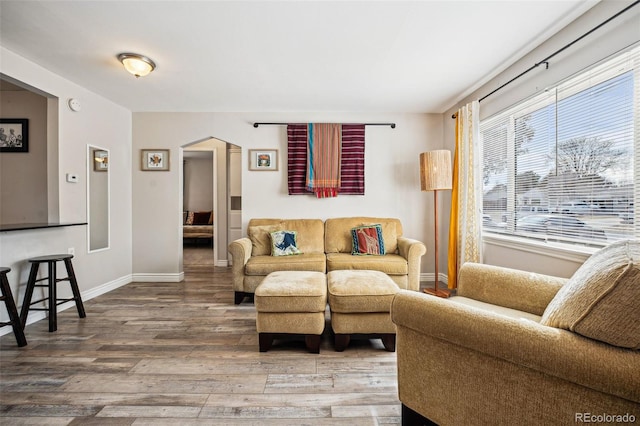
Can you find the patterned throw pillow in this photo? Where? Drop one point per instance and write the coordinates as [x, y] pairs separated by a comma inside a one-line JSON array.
[[284, 243], [189, 220], [367, 240]]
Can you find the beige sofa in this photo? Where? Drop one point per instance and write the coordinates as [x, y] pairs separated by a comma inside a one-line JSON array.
[[483, 357], [326, 246], [197, 226]]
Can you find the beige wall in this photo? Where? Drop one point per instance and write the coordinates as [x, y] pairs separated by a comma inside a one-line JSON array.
[[198, 183], [392, 177], [23, 196], [101, 123], [611, 38]]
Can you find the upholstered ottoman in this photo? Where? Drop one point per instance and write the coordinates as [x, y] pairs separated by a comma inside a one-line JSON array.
[[291, 302], [360, 303]]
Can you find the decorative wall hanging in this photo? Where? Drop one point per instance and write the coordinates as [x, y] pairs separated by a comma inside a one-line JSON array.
[[351, 175], [263, 159], [14, 135], [155, 159], [324, 147]]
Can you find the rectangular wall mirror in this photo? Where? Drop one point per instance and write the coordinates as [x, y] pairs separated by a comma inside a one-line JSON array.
[[98, 198]]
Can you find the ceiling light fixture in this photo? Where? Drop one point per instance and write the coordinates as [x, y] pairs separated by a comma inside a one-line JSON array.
[[137, 65]]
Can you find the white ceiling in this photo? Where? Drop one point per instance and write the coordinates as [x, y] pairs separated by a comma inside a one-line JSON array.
[[364, 56]]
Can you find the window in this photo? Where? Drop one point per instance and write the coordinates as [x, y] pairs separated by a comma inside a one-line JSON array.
[[560, 166]]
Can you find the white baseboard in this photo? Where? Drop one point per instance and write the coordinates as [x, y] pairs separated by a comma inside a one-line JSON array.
[[223, 263], [36, 316], [105, 288], [161, 278], [428, 277]]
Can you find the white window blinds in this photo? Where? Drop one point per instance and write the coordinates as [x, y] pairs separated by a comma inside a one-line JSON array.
[[560, 166]]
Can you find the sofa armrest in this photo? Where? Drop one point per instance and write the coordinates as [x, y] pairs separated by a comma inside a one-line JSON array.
[[549, 350], [240, 250], [511, 288], [412, 251]]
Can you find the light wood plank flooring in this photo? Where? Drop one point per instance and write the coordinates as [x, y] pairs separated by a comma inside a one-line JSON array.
[[184, 354]]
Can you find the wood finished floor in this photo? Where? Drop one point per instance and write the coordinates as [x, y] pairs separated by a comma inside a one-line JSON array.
[[184, 354]]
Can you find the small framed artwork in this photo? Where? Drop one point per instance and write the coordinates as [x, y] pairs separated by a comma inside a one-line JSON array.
[[14, 135], [263, 159], [100, 160], [155, 159]]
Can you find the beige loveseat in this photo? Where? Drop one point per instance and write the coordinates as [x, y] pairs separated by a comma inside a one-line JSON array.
[[484, 357], [197, 225], [326, 246]]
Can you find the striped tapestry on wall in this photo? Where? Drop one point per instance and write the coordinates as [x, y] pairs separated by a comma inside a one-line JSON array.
[[352, 164]]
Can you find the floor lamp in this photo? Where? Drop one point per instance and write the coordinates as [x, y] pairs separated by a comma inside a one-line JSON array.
[[435, 175]]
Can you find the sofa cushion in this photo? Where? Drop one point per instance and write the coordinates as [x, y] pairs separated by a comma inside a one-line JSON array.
[[201, 230], [283, 243], [496, 309], [310, 232], [367, 240], [260, 236], [201, 218], [338, 239], [601, 299], [391, 264], [264, 265], [360, 291]]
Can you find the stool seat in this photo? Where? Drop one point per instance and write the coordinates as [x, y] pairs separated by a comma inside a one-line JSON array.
[[7, 297], [52, 280], [50, 258]]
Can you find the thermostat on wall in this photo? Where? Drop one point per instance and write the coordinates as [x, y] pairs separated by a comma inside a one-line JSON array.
[[74, 104]]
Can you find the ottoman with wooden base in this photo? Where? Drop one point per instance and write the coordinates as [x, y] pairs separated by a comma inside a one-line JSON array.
[[291, 303], [360, 303]]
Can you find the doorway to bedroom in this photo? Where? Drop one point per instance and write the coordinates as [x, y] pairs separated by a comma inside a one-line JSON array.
[[211, 201], [198, 213]]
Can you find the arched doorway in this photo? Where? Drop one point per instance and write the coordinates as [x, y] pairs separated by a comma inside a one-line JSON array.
[[209, 180]]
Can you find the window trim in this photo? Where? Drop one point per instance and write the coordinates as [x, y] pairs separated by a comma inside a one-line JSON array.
[[557, 250]]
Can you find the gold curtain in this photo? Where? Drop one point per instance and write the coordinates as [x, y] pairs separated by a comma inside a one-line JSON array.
[[465, 222]]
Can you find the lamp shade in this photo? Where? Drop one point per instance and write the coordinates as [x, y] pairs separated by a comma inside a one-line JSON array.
[[137, 65], [435, 170]]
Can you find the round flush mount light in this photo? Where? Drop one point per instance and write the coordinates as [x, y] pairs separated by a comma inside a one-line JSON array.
[[138, 65]]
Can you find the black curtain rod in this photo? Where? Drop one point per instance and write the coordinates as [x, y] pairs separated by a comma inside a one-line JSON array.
[[392, 125], [545, 61]]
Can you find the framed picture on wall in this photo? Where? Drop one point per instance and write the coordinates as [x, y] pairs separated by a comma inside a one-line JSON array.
[[155, 160], [14, 135], [263, 159], [100, 160]]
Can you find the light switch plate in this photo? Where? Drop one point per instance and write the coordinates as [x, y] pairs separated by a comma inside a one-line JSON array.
[[71, 177]]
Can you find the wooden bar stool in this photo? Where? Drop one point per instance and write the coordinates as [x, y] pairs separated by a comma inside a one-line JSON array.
[[52, 280], [14, 319]]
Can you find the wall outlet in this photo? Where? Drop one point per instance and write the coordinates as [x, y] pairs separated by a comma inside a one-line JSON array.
[[71, 250]]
